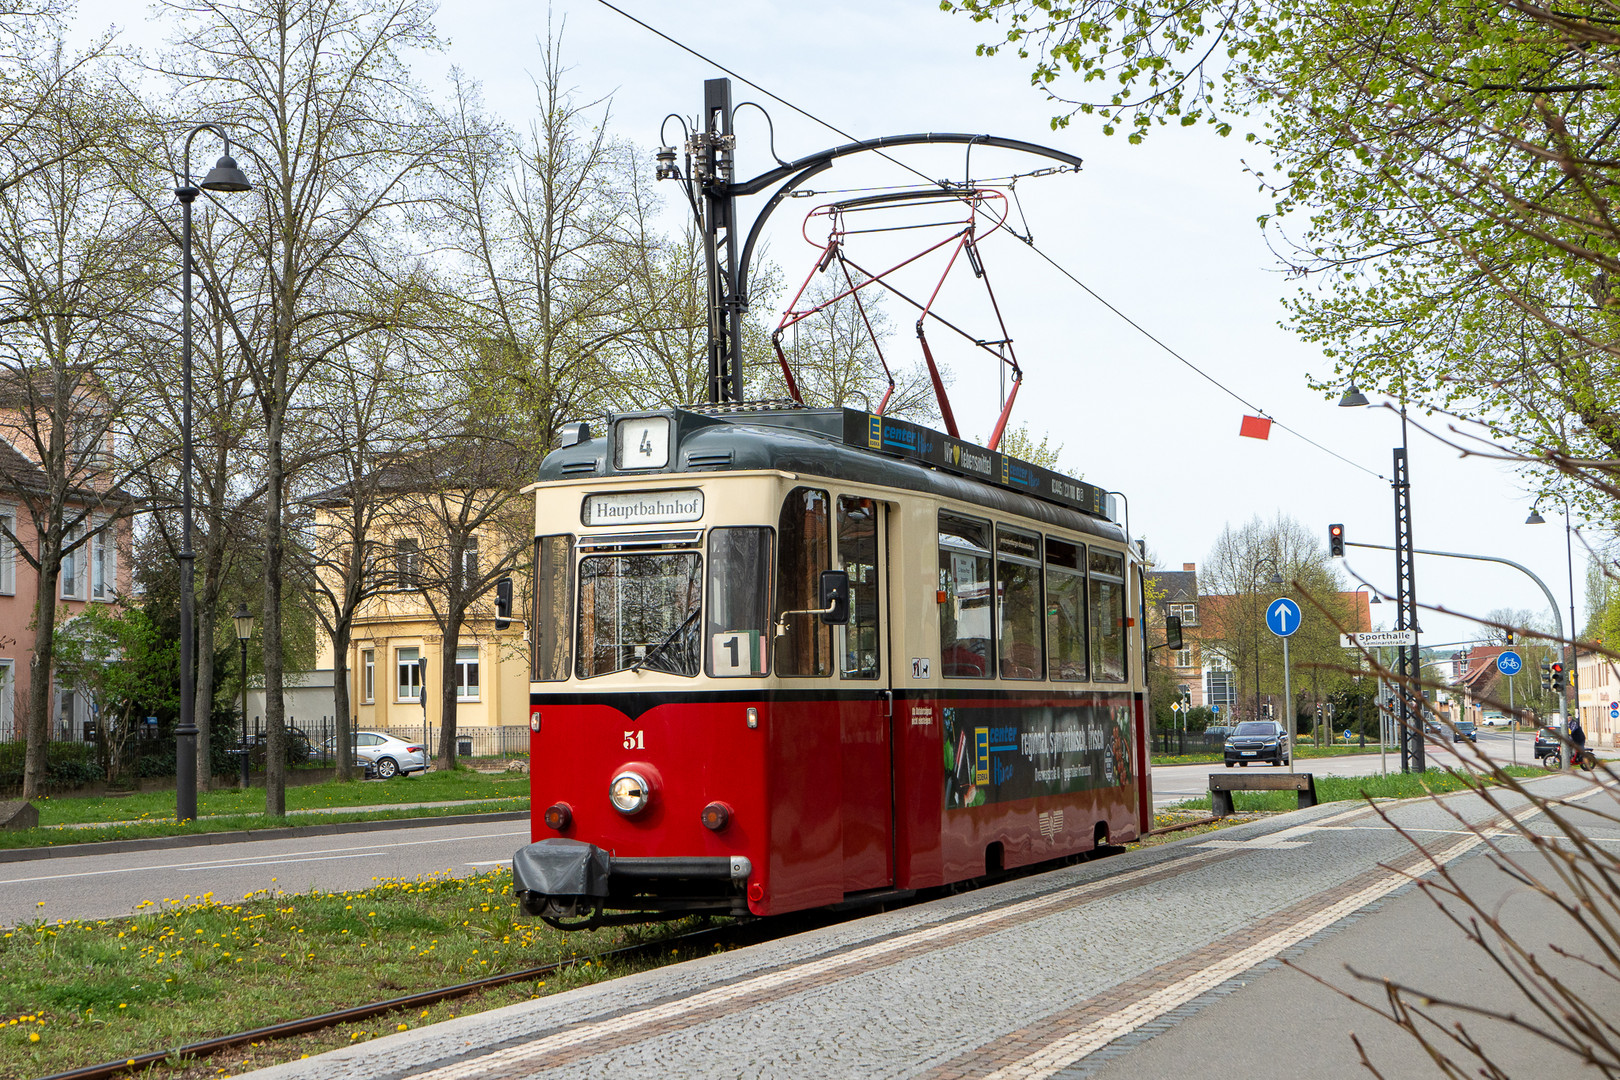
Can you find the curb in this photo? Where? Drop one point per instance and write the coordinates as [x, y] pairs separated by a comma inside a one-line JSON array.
[[160, 843]]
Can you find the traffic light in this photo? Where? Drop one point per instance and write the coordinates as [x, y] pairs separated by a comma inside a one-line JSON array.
[[1546, 675], [1336, 541], [1558, 677]]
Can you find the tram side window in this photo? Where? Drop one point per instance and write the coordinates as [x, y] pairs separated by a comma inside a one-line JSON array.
[[1018, 605], [553, 621], [1066, 609], [739, 620], [858, 557], [965, 632], [1107, 616], [639, 611], [805, 537]]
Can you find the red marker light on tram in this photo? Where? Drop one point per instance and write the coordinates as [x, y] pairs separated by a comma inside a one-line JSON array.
[[559, 816], [716, 816]]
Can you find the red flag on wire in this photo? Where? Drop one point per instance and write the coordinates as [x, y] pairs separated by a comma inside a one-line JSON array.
[[1256, 427]]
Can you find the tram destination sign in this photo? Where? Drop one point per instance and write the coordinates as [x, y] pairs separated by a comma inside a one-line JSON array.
[[917, 443]]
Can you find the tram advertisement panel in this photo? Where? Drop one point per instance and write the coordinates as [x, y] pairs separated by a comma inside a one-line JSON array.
[[997, 754]]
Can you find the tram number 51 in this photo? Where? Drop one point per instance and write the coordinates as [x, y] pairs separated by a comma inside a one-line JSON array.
[[633, 740]]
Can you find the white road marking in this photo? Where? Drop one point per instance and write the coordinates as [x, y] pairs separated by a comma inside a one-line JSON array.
[[262, 860], [277, 862]]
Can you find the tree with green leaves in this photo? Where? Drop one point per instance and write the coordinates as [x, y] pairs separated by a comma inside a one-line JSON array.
[[129, 666], [1446, 171]]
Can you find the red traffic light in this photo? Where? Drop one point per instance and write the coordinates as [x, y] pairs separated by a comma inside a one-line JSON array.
[[1336, 541]]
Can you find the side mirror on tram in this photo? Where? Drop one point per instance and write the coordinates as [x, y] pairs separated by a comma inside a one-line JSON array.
[[503, 603], [1172, 632], [834, 597]]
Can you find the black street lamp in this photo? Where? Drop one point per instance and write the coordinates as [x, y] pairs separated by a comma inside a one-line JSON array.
[[244, 630], [226, 177]]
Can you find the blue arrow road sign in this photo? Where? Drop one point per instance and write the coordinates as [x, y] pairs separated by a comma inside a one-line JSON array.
[[1282, 617], [1509, 662]]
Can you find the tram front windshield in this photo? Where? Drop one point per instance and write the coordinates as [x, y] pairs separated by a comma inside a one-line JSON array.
[[639, 611]]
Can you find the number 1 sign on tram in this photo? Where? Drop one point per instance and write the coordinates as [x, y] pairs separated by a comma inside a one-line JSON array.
[[1282, 617]]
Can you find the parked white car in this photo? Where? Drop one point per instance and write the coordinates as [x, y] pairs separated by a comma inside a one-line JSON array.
[[1494, 719], [387, 755]]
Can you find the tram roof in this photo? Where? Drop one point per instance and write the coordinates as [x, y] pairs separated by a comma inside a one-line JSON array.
[[845, 444]]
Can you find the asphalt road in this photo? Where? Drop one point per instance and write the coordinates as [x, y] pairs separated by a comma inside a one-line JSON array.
[[1176, 783], [103, 886]]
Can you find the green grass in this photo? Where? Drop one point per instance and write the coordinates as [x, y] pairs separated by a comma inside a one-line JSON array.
[[188, 968], [87, 820], [1343, 788], [421, 787], [1301, 751], [43, 837]]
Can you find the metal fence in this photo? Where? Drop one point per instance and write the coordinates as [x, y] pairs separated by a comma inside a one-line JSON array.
[[1172, 743]]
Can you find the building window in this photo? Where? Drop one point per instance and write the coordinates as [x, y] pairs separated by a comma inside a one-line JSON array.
[[1189, 614], [467, 672], [368, 675], [469, 565], [407, 563], [104, 564], [8, 685], [70, 578], [8, 553], [409, 664], [1184, 658]]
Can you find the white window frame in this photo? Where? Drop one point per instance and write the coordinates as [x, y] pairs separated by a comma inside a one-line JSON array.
[[8, 553], [368, 676], [466, 664], [469, 564], [408, 675], [1184, 657], [70, 579], [407, 563], [104, 564], [8, 700]]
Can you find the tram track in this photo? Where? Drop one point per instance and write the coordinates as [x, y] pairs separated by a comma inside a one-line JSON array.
[[290, 1028], [745, 932]]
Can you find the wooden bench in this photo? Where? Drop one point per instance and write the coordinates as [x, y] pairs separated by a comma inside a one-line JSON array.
[[1221, 786]]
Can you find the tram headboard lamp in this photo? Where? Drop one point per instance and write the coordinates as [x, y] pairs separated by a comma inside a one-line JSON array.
[[630, 793], [575, 433]]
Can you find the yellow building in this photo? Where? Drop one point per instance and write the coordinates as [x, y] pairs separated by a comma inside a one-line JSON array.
[[395, 660]]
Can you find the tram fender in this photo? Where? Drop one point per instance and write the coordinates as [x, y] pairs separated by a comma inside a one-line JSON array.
[[558, 866]]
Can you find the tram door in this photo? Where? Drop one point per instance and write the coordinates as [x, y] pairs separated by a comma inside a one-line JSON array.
[[865, 703]]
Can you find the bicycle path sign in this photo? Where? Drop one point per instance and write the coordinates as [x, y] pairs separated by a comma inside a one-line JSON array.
[[1282, 617], [1509, 662]]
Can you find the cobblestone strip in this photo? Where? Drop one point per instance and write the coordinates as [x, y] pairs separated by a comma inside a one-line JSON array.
[[561, 1047], [1060, 1041]]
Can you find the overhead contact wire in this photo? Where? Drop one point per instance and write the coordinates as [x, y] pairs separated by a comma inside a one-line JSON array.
[[1138, 327]]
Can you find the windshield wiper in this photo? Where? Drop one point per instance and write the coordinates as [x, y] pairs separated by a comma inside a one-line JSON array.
[[662, 645]]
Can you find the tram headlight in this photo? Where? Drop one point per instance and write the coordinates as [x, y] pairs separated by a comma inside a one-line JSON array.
[[630, 793]]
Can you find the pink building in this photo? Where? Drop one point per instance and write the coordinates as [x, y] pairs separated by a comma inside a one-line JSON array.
[[98, 572]]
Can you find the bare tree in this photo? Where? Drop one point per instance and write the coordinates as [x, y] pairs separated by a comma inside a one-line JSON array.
[[77, 282], [317, 93], [458, 507], [367, 417]]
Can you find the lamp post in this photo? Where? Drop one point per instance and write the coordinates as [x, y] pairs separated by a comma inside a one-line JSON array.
[[224, 176], [1412, 749], [1572, 691], [244, 630], [1276, 578]]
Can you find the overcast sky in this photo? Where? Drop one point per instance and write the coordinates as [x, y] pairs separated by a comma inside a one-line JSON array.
[[1166, 232]]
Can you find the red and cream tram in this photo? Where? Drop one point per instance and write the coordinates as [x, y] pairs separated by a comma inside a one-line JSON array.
[[787, 658]]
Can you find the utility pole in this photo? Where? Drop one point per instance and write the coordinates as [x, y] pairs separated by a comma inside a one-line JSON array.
[[1412, 749]]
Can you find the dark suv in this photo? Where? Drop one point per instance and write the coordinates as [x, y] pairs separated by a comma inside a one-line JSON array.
[[1257, 740]]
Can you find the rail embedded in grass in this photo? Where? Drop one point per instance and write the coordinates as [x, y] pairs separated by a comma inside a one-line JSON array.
[[186, 969]]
